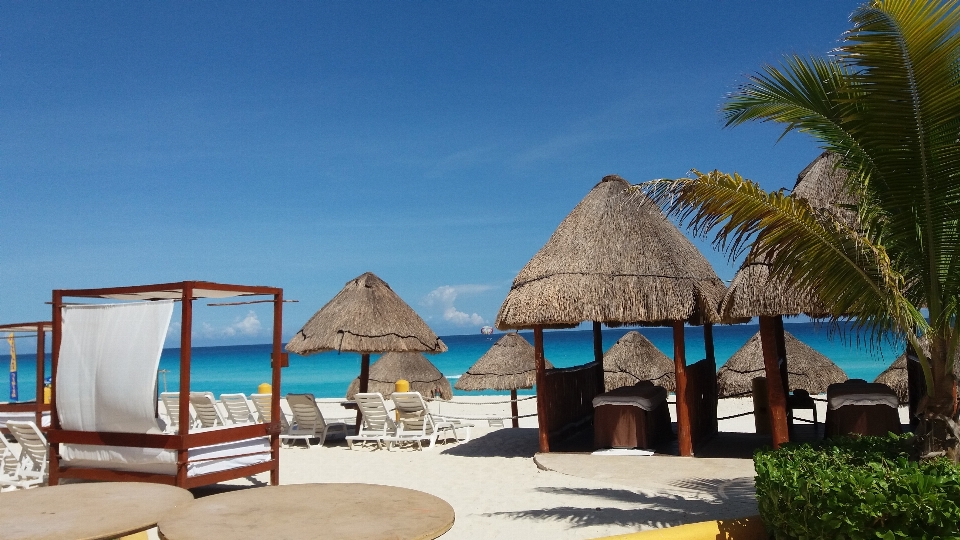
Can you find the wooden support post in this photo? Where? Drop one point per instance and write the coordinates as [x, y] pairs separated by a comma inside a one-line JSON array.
[[708, 342], [543, 414], [684, 432], [364, 384], [186, 337], [41, 367], [53, 454], [514, 409], [276, 364], [775, 393], [712, 358], [598, 355]]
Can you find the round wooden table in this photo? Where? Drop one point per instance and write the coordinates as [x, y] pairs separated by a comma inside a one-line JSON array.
[[302, 511], [87, 511]]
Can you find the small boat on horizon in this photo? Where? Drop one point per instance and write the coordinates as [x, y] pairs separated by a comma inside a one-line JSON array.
[[486, 330]]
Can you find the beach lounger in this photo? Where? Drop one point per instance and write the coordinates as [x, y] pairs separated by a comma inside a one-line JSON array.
[[416, 422], [9, 459], [307, 419], [207, 412], [238, 411], [32, 462], [261, 402], [171, 402], [376, 424]]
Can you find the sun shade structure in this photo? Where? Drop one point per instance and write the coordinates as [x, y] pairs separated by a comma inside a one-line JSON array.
[[413, 367], [905, 377], [365, 317], [94, 337], [22, 410], [614, 260], [754, 294], [633, 359], [809, 370], [510, 364]]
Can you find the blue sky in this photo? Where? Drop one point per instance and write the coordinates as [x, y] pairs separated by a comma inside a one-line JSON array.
[[436, 144]]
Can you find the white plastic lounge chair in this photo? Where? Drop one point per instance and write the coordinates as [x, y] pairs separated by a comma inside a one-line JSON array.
[[261, 402], [238, 412], [416, 422], [207, 411], [32, 463], [307, 418], [9, 460], [171, 402], [376, 424]]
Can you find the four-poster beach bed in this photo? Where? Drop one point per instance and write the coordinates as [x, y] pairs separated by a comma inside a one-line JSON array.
[[616, 260], [92, 354], [36, 410]]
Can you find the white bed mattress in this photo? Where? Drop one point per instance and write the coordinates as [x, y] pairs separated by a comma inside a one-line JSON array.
[[25, 416], [201, 460]]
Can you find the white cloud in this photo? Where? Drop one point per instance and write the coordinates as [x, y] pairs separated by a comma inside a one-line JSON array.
[[442, 298], [247, 326]]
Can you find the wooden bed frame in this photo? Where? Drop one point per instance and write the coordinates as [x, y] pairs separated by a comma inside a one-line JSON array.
[[183, 441], [37, 406]]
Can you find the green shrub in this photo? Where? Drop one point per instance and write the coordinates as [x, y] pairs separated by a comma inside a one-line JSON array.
[[857, 488]]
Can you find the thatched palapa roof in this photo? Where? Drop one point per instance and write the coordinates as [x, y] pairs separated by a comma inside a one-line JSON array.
[[806, 368], [895, 376], [632, 359], [414, 367], [614, 259], [752, 293], [508, 365], [365, 317]]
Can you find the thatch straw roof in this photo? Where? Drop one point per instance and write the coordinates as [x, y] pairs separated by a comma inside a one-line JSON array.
[[508, 365], [806, 368], [365, 317], [414, 367], [632, 359], [895, 376], [752, 293], [614, 259]]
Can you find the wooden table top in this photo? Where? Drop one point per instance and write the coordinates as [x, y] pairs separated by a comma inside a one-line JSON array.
[[88, 511], [302, 511]]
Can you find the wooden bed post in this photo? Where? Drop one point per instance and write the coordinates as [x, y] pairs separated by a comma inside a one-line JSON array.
[[775, 392], [598, 355], [53, 455], [684, 433], [186, 336], [41, 367], [276, 364], [543, 414]]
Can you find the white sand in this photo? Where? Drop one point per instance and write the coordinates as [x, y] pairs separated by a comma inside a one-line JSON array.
[[498, 490]]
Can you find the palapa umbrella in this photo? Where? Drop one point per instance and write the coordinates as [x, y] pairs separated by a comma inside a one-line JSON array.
[[633, 359], [413, 367], [896, 375], [754, 294], [615, 259], [809, 370], [509, 365], [365, 317]]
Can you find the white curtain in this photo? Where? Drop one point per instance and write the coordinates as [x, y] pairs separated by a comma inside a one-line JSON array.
[[107, 371]]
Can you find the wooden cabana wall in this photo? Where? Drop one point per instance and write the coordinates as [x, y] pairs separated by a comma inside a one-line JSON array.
[[37, 406], [696, 392], [183, 441]]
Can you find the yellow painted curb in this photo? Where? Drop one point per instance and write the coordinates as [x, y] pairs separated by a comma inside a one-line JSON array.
[[748, 528]]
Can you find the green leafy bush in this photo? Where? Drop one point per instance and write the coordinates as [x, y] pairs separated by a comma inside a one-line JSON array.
[[857, 488]]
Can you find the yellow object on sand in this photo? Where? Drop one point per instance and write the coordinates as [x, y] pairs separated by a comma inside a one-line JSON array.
[[748, 528], [402, 385], [264, 388], [142, 535]]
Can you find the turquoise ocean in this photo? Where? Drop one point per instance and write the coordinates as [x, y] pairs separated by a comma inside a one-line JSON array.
[[241, 368]]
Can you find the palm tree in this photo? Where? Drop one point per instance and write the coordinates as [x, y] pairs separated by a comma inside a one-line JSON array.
[[887, 101]]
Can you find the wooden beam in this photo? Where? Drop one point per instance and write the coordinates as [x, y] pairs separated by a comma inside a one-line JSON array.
[[276, 364], [684, 429], [41, 367], [598, 355], [514, 409], [775, 393], [53, 454], [186, 337], [364, 384], [543, 414]]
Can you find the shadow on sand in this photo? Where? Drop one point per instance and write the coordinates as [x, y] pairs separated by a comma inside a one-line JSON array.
[[506, 442], [656, 510]]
